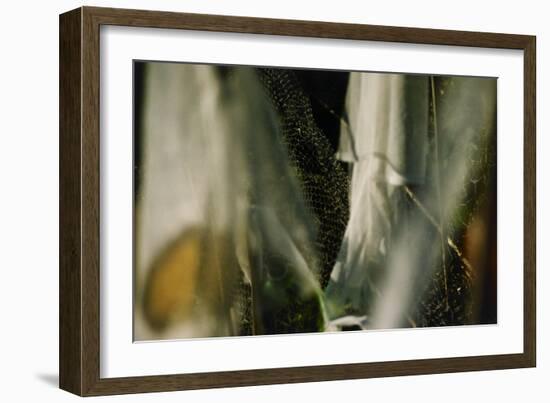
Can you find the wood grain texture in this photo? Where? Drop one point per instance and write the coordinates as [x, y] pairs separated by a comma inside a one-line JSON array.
[[530, 202], [80, 200], [90, 201], [70, 273]]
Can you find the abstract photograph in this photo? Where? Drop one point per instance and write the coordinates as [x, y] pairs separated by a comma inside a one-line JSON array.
[[274, 200]]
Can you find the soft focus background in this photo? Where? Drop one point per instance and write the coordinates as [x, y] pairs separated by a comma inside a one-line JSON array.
[[29, 203], [245, 206]]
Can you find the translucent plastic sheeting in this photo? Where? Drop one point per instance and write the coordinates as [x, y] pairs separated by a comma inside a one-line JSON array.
[[397, 142], [218, 206]]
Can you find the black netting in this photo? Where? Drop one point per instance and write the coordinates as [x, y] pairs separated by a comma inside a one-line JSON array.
[[324, 180]]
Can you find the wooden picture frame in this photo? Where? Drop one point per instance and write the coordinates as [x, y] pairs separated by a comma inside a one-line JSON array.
[[80, 199]]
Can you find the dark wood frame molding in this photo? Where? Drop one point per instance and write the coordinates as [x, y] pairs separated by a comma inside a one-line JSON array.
[[79, 200]]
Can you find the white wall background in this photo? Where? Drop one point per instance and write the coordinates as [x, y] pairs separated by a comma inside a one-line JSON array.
[[29, 199]]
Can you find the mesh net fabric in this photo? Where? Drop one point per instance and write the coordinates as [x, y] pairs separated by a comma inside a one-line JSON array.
[[292, 183], [444, 298], [324, 181], [465, 118]]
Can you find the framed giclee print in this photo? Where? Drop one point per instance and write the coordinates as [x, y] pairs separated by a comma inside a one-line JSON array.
[[249, 201]]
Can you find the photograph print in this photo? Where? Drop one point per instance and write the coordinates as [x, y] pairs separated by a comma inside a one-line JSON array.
[[273, 201]]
